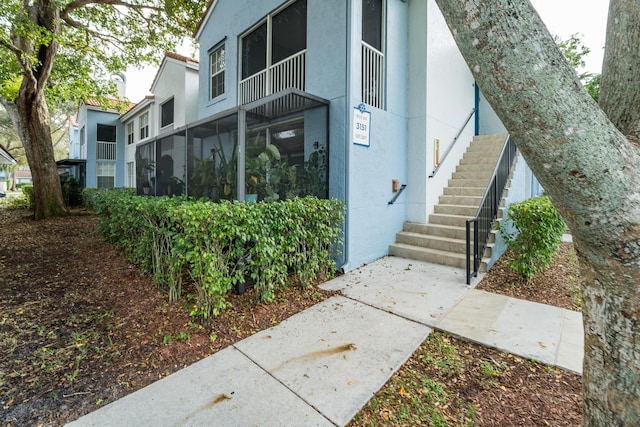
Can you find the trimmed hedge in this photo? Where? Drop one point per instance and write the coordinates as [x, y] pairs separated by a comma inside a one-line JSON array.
[[219, 245]]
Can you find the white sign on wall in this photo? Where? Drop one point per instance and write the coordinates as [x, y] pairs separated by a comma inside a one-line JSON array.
[[361, 125]]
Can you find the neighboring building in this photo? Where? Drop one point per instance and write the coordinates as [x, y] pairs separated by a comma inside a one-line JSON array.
[[22, 176], [101, 144], [172, 105]]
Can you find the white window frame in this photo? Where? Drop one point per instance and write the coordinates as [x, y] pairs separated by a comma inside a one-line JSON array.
[[106, 150], [131, 134], [105, 170], [143, 120], [218, 65], [131, 175]]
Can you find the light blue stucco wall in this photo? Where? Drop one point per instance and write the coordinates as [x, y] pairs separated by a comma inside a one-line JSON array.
[[90, 118], [362, 176], [372, 222]]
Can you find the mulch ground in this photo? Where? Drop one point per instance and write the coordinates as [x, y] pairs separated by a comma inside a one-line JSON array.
[[80, 327]]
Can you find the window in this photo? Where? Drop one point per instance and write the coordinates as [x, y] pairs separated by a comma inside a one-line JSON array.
[[106, 142], [130, 134], [105, 173], [166, 113], [131, 175], [144, 125], [372, 23], [83, 143], [217, 72]]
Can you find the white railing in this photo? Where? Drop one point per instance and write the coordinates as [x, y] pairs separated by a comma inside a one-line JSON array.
[[290, 72], [106, 151], [372, 76]]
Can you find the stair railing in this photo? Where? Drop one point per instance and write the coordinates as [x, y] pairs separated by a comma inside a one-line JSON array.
[[488, 210], [455, 139]]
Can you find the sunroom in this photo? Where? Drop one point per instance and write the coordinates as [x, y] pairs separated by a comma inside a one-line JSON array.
[[281, 142]]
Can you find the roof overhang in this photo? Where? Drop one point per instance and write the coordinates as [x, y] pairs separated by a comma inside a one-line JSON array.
[[6, 158]]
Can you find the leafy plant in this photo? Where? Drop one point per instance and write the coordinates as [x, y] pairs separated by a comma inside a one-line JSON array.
[[533, 230], [218, 245]]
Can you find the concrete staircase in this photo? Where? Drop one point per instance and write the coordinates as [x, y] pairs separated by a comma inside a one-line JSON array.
[[443, 239]]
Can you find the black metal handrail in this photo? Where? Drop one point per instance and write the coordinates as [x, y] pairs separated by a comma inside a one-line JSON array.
[[455, 139], [395, 197], [488, 210]]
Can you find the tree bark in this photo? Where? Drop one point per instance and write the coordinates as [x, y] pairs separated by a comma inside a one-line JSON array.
[[590, 170], [29, 112], [620, 85]]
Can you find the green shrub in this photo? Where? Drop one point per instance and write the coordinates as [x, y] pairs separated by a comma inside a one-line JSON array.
[[27, 190], [218, 245], [536, 237], [15, 202]]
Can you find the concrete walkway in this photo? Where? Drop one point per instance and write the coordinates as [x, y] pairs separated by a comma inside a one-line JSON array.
[[319, 367]]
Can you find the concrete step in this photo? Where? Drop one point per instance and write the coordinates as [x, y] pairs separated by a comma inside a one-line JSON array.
[[451, 220], [432, 255], [456, 210], [465, 191], [446, 244], [486, 175], [460, 200], [449, 231], [468, 182], [472, 167]]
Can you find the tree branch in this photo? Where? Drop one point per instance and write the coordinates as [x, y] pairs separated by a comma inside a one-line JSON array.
[[81, 3]]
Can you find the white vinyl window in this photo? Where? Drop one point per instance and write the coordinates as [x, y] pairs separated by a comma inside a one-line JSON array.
[[130, 134], [217, 60], [131, 170], [106, 175], [144, 125]]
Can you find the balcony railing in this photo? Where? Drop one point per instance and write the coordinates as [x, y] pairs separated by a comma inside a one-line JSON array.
[[106, 151], [372, 76], [290, 72]]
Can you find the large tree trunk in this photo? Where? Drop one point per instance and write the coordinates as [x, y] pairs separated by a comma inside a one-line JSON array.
[[588, 168], [29, 112], [30, 117]]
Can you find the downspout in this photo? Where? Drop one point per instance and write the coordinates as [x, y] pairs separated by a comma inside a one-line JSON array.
[[476, 91], [345, 250]]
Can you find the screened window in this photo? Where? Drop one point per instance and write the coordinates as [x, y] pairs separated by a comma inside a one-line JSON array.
[[372, 16], [105, 173], [144, 126], [166, 113], [106, 142], [217, 59], [288, 30]]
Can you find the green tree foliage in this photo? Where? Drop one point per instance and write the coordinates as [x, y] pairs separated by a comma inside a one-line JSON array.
[[56, 52], [575, 51]]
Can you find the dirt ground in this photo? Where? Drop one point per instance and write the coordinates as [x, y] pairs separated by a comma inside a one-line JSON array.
[[80, 327], [451, 382]]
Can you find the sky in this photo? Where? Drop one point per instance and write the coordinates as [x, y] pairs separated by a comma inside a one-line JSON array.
[[562, 17]]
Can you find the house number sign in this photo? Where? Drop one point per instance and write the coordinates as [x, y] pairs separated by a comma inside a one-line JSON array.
[[361, 125]]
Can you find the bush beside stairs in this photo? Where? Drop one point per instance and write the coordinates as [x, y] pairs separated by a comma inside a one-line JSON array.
[[443, 239]]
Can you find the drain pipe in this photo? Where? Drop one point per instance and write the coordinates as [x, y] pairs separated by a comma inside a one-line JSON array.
[[347, 146]]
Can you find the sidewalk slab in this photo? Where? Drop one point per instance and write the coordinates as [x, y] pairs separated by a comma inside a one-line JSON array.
[[335, 355], [223, 389], [571, 349], [416, 290]]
